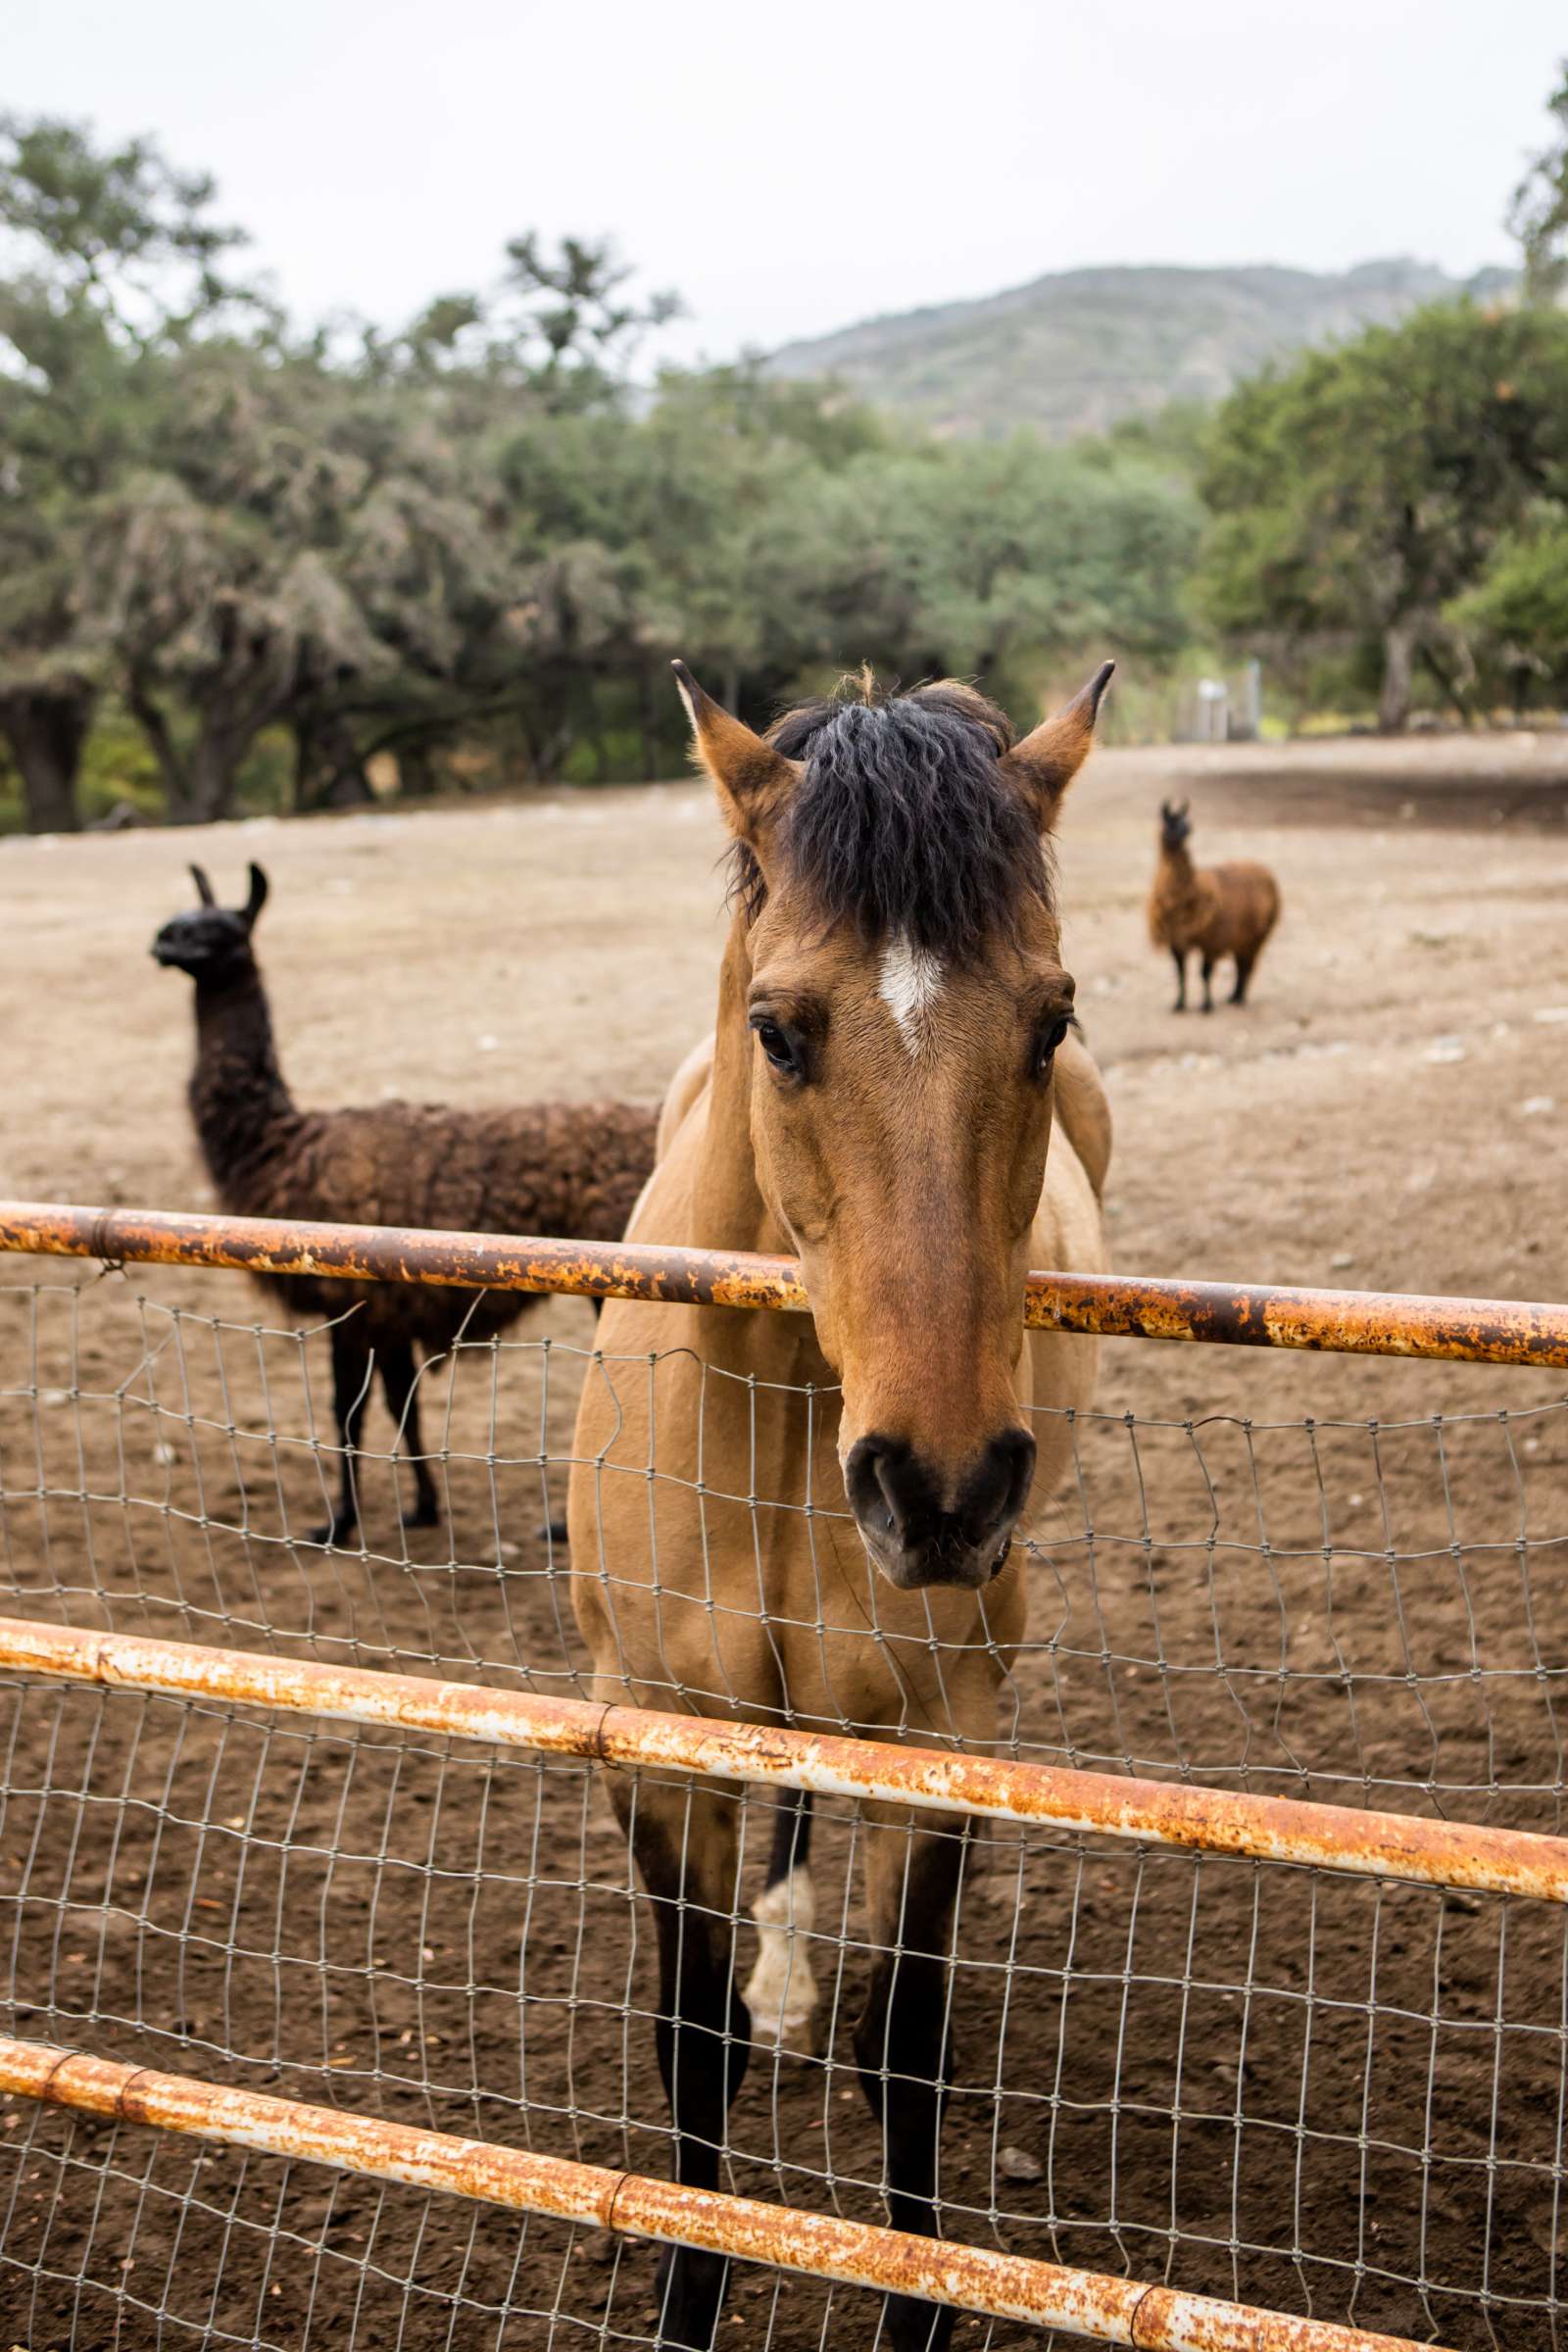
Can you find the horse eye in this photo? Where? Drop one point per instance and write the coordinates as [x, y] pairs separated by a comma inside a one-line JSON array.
[[776, 1045], [1048, 1040]]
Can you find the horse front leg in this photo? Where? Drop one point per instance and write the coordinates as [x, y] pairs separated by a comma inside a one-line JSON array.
[[781, 1990], [913, 1869], [685, 1840]]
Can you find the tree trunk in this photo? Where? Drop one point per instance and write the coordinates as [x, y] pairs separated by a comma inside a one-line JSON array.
[[328, 767], [148, 712], [214, 764], [1399, 663], [416, 772], [198, 784], [46, 733], [1450, 686], [549, 735]]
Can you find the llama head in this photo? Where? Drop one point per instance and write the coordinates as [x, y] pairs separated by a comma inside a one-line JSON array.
[[1175, 826], [212, 943]]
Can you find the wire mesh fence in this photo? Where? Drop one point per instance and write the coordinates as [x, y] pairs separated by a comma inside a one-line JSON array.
[[1323, 2094]]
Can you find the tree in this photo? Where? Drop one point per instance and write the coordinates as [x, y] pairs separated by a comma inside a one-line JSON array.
[[1538, 214], [560, 327], [1516, 617], [116, 261], [219, 597], [1354, 497]]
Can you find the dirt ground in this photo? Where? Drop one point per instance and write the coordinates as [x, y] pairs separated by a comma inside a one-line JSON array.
[[1291, 1574]]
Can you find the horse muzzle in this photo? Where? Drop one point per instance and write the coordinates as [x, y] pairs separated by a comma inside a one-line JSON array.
[[918, 1538]]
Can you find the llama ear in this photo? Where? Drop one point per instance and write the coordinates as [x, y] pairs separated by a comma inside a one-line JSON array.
[[1045, 762], [258, 898], [204, 889], [753, 780]]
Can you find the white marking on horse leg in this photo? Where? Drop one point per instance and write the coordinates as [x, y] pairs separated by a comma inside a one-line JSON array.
[[910, 984], [781, 1990]]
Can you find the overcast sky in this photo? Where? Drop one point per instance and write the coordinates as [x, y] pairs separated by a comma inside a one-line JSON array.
[[792, 167]]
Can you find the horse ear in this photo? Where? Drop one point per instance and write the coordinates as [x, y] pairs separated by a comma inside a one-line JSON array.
[[753, 780], [204, 889], [1045, 762], [258, 898]]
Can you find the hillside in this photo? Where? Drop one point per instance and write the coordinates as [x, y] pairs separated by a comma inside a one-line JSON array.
[[1072, 353]]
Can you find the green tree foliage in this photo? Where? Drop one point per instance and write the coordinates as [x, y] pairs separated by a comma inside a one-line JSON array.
[[1516, 617], [120, 232], [1539, 215], [1358, 495], [113, 262]]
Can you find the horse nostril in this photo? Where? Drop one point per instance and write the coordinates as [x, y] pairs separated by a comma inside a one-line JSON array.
[[884, 1484], [999, 1488], [882, 1470]]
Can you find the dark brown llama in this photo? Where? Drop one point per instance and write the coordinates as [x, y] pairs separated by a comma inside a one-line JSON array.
[[572, 1168], [1218, 910]]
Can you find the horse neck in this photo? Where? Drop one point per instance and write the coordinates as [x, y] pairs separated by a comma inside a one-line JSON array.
[[239, 1096]]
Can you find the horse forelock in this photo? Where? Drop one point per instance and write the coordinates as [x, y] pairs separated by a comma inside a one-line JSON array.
[[904, 824]]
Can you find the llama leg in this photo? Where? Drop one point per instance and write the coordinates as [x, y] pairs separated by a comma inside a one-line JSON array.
[[1209, 988], [685, 1844], [1179, 957], [913, 1869], [781, 1990], [1244, 973], [351, 1394], [401, 1381]]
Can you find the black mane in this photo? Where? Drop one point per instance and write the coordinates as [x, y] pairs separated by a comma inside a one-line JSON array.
[[904, 824]]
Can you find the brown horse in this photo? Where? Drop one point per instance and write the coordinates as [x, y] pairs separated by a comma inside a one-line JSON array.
[[892, 1037]]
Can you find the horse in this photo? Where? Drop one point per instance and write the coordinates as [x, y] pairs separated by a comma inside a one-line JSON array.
[[894, 1035]]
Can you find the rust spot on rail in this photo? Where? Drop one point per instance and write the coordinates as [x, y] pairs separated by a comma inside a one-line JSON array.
[[978, 2278], [1402, 1845], [1483, 1330]]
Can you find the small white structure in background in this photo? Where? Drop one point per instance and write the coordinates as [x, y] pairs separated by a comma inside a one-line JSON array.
[[1214, 695], [1226, 709]]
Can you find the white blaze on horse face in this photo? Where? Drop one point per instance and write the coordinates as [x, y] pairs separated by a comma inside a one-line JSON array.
[[910, 984]]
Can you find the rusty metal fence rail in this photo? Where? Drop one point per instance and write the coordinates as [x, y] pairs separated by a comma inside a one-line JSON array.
[[1485, 1331], [1260, 1982]]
